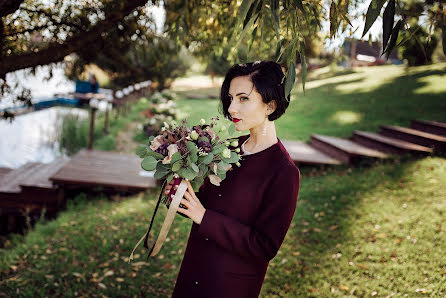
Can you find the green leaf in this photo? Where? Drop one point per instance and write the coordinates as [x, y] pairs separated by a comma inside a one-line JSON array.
[[219, 149], [274, 5], [160, 174], [290, 78], [177, 165], [304, 68], [194, 167], [175, 157], [279, 50], [372, 13], [141, 150], [208, 158], [388, 17], [154, 154], [151, 138], [204, 169], [233, 159], [393, 38], [169, 177], [249, 13], [242, 11], [189, 173], [191, 147], [203, 139], [222, 164], [231, 129], [149, 163]]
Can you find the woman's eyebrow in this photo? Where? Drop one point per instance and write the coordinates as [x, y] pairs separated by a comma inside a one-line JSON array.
[[239, 94]]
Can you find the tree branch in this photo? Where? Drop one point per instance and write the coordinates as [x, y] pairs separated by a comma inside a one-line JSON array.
[[56, 51]]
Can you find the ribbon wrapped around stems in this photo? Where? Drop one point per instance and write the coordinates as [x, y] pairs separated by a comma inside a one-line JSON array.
[[168, 220]]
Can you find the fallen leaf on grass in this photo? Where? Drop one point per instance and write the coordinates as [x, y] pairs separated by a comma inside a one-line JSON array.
[[120, 279], [296, 253], [332, 227], [363, 266], [345, 288], [312, 290], [101, 285]]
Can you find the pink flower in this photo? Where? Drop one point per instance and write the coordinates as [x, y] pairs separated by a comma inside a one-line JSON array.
[[156, 142], [172, 148]]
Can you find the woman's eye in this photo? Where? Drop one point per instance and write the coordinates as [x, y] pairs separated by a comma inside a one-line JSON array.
[[243, 98]]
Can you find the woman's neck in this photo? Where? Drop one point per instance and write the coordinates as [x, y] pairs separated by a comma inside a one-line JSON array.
[[257, 141]]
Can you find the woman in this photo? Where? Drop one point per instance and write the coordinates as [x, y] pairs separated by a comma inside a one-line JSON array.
[[240, 225]]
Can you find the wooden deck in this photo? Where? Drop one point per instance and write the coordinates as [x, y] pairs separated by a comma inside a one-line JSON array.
[[28, 187], [103, 168]]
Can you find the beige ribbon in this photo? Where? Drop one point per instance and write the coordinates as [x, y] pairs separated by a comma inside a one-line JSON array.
[[168, 220]]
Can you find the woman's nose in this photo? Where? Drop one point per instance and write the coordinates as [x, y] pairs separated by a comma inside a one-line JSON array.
[[232, 108]]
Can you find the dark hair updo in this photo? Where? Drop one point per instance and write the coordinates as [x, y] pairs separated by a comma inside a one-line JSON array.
[[267, 79]]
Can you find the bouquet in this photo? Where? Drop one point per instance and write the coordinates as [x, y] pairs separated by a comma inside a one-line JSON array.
[[180, 152]]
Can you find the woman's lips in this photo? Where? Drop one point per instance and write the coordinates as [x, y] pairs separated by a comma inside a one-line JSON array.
[[235, 120]]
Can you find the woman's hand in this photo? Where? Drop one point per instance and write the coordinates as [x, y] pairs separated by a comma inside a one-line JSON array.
[[195, 209]]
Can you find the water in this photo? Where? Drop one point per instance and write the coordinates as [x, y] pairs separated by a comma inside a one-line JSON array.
[[32, 137]]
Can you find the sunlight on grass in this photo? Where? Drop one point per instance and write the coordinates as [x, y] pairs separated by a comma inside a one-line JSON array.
[[346, 117], [432, 84]]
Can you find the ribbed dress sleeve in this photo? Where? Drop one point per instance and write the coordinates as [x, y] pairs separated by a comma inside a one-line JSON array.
[[263, 239]]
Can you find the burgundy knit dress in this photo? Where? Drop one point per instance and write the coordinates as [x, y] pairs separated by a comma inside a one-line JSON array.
[[245, 223]]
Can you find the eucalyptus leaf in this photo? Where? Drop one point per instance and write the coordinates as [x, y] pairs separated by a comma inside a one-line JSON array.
[[149, 163], [154, 154], [141, 150], [160, 174], [175, 157], [169, 177], [208, 158], [231, 129], [177, 165], [191, 147], [194, 167]]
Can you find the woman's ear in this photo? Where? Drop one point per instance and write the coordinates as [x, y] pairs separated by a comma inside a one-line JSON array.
[[271, 107]]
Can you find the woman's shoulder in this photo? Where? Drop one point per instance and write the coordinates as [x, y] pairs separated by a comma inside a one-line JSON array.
[[284, 162]]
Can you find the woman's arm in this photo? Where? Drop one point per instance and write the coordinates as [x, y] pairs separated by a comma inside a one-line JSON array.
[[263, 239]]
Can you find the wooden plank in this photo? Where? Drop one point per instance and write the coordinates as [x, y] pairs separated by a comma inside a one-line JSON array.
[[10, 183], [39, 176], [103, 168], [387, 144], [343, 149], [306, 154], [434, 127], [415, 136]]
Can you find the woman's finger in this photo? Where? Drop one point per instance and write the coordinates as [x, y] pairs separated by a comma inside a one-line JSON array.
[[190, 189], [189, 197]]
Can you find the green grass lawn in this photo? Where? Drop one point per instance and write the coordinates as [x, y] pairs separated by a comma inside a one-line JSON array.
[[376, 229]]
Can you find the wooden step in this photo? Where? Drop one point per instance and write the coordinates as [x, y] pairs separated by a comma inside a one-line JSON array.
[[40, 175], [434, 127], [388, 145], [302, 153], [343, 149], [10, 183], [415, 136]]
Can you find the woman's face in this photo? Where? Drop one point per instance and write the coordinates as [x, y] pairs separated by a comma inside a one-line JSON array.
[[246, 104]]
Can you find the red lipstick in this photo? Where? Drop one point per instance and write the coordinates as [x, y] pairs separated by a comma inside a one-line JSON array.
[[235, 120]]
